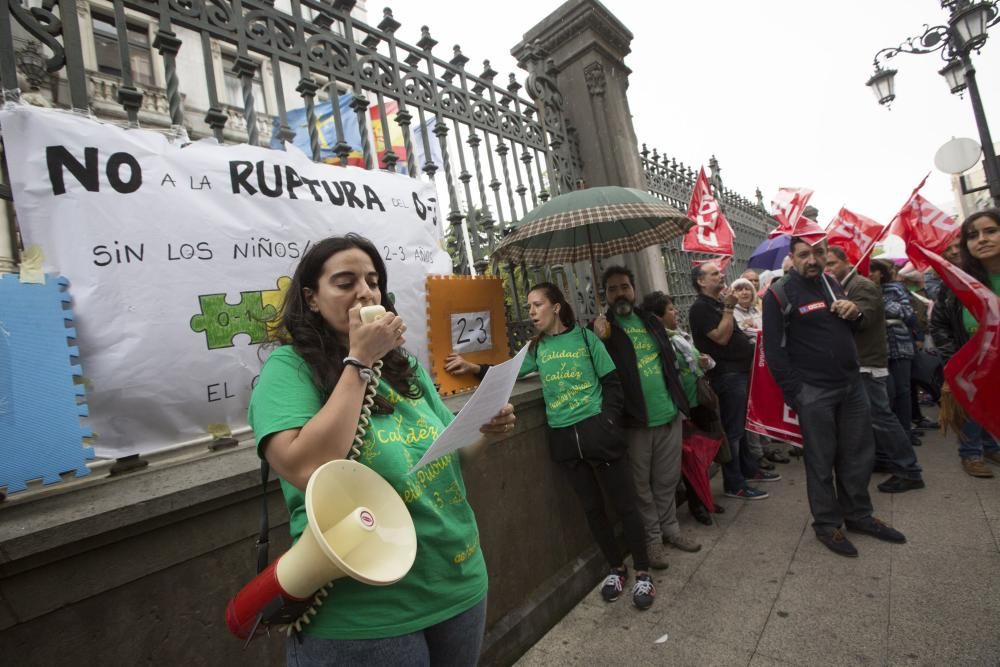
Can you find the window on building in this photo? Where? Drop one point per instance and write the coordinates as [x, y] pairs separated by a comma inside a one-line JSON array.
[[106, 46], [233, 93]]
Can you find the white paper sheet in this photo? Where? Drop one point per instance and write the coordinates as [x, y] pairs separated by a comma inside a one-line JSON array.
[[492, 394]]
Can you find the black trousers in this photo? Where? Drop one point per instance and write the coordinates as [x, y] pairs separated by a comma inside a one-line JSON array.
[[587, 478], [839, 449]]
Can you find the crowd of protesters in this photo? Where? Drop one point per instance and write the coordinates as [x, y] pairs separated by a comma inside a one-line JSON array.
[[855, 357]]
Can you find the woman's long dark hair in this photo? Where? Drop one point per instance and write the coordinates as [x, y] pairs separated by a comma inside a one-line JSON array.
[[970, 264], [554, 296], [313, 339]]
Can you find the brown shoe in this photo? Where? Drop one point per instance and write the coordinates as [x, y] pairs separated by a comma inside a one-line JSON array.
[[657, 556], [680, 542], [992, 457], [976, 468]]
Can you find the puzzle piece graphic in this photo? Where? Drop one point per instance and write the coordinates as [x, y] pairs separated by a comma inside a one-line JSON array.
[[222, 321], [41, 436], [276, 299]]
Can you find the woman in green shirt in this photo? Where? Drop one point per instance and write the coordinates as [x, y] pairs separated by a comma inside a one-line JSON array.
[[304, 412], [952, 325], [583, 404]]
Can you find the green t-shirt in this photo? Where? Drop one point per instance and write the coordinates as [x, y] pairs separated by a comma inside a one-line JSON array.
[[449, 573], [570, 366], [971, 325], [660, 408]]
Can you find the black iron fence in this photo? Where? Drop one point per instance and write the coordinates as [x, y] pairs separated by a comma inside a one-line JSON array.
[[238, 70], [674, 181]]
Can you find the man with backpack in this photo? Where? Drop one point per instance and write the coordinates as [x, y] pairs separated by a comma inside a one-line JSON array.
[[809, 344]]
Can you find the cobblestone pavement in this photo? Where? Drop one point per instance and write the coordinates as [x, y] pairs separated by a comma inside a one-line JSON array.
[[763, 592]]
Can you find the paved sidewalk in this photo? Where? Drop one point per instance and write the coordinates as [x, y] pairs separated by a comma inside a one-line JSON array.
[[763, 592]]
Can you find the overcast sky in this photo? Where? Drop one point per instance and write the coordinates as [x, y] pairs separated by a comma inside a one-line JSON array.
[[775, 89]]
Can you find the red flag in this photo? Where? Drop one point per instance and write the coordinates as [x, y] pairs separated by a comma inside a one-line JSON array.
[[856, 235], [711, 232], [922, 223], [973, 372], [721, 260], [788, 206], [767, 413], [808, 230]]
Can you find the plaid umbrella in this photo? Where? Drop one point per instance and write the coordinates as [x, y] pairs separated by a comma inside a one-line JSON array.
[[591, 224]]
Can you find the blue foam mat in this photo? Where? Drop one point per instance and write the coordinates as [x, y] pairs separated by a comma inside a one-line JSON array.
[[41, 433]]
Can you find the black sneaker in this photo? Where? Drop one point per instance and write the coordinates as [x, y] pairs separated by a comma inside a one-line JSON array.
[[925, 423], [643, 593], [764, 476], [838, 543], [701, 515], [613, 584], [877, 529], [897, 484]]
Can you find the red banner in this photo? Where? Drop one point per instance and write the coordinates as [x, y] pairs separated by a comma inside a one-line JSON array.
[[854, 233], [973, 372], [788, 206], [711, 232], [922, 223], [767, 413]]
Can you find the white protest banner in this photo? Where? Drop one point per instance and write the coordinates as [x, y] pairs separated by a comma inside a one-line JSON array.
[[178, 255]]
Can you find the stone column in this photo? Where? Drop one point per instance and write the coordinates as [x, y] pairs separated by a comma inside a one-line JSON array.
[[587, 45]]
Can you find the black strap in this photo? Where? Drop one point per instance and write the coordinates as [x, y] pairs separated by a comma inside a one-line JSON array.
[[262, 542]]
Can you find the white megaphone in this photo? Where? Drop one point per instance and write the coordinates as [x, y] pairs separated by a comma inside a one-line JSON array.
[[358, 527]]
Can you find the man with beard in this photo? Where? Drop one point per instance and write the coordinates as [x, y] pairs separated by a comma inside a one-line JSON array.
[[713, 327], [809, 329], [655, 407]]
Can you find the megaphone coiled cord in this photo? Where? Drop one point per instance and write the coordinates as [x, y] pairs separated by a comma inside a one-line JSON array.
[[359, 440]]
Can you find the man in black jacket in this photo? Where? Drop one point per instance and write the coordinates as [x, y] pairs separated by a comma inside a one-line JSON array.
[[655, 407], [809, 344]]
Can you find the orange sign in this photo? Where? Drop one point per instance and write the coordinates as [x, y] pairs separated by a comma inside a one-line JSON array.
[[465, 314]]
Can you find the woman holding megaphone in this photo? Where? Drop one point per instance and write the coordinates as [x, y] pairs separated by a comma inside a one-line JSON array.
[[305, 412]]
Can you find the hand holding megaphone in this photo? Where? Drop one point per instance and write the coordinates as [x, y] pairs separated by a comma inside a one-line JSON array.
[[374, 332], [358, 526]]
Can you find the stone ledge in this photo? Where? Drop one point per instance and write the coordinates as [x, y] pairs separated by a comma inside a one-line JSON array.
[[102, 510]]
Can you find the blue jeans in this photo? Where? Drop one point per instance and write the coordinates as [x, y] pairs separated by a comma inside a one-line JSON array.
[[452, 643], [839, 452], [731, 388], [974, 440], [893, 448]]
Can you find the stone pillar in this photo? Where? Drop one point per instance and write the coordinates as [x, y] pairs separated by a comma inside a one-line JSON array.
[[587, 45]]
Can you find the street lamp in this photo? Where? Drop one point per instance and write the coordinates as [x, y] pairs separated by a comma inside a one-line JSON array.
[[968, 22]]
